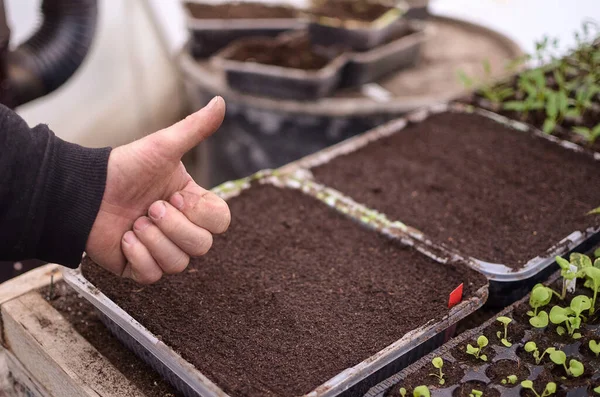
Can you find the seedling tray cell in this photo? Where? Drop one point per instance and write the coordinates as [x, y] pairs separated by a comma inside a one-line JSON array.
[[507, 283], [353, 381]]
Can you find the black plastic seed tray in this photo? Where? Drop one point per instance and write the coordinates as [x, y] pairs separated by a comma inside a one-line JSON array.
[[277, 81], [400, 53]]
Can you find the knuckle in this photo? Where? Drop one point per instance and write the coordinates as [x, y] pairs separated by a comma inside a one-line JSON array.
[[178, 264], [203, 245], [146, 277]]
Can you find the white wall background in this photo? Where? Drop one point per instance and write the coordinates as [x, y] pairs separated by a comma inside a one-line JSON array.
[[129, 87]]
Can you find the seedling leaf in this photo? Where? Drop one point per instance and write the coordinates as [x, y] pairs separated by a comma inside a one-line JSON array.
[[437, 362], [558, 357], [530, 346], [421, 391], [482, 341], [539, 321], [403, 392], [595, 347], [576, 368]]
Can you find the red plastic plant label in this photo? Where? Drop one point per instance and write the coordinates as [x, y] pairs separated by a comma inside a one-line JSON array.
[[455, 296]]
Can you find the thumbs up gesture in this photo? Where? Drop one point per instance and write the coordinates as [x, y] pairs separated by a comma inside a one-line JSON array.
[[153, 216]]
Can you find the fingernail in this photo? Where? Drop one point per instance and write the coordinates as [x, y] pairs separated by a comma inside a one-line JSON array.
[[157, 210], [177, 201], [141, 224], [130, 238], [212, 102]]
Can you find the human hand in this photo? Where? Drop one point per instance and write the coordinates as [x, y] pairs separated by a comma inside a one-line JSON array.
[[147, 177]]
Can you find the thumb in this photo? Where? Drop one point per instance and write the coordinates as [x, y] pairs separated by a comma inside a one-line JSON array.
[[176, 140]]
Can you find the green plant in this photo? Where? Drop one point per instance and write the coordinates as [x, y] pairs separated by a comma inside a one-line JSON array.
[[496, 93], [510, 380], [531, 347], [595, 211], [597, 390], [575, 368], [504, 321], [595, 347], [421, 391], [403, 392], [597, 252], [570, 316], [476, 393], [482, 342], [592, 274], [540, 297], [590, 134], [438, 363], [548, 390]]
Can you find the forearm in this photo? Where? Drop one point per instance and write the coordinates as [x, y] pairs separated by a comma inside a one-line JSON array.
[[50, 192]]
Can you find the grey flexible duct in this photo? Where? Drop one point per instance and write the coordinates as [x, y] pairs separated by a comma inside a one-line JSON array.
[[51, 56]]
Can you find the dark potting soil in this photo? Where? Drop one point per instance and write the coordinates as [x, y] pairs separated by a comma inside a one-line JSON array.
[[354, 10], [240, 10], [82, 315], [297, 54], [291, 295], [505, 361], [494, 193]]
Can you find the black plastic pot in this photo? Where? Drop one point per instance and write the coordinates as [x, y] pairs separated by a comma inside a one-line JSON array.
[[357, 35], [280, 82], [369, 66], [208, 36]]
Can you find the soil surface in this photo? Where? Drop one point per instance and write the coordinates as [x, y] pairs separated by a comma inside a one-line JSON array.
[[494, 193], [82, 315], [297, 54], [291, 295], [350, 10], [240, 10]]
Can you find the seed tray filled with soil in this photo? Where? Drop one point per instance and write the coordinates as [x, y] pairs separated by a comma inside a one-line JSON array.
[[355, 25], [295, 299], [477, 184], [398, 53], [214, 26], [286, 67], [526, 346]]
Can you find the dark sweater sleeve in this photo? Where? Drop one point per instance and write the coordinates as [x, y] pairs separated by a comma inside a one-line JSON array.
[[50, 192]]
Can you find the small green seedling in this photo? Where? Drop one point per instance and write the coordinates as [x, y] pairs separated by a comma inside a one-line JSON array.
[[589, 134], [476, 393], [421, 391], [402, 392], [570, 316], [504, 321], [595, 211], [566, 273], [597, 252], [438, 363], [575, 368], [592, 274], [482, 342], [597, 390], [549, 390], [540, 297], [510, 380], [531, 347], [595, 347]]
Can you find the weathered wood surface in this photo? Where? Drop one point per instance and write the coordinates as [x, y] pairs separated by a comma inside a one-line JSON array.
[[60, 360]]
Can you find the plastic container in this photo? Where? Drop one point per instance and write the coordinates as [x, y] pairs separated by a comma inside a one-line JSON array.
[[280, 82], [401, 53], [353, 381], [357, 35], [209, 36], [478, 374], [506, 285]]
